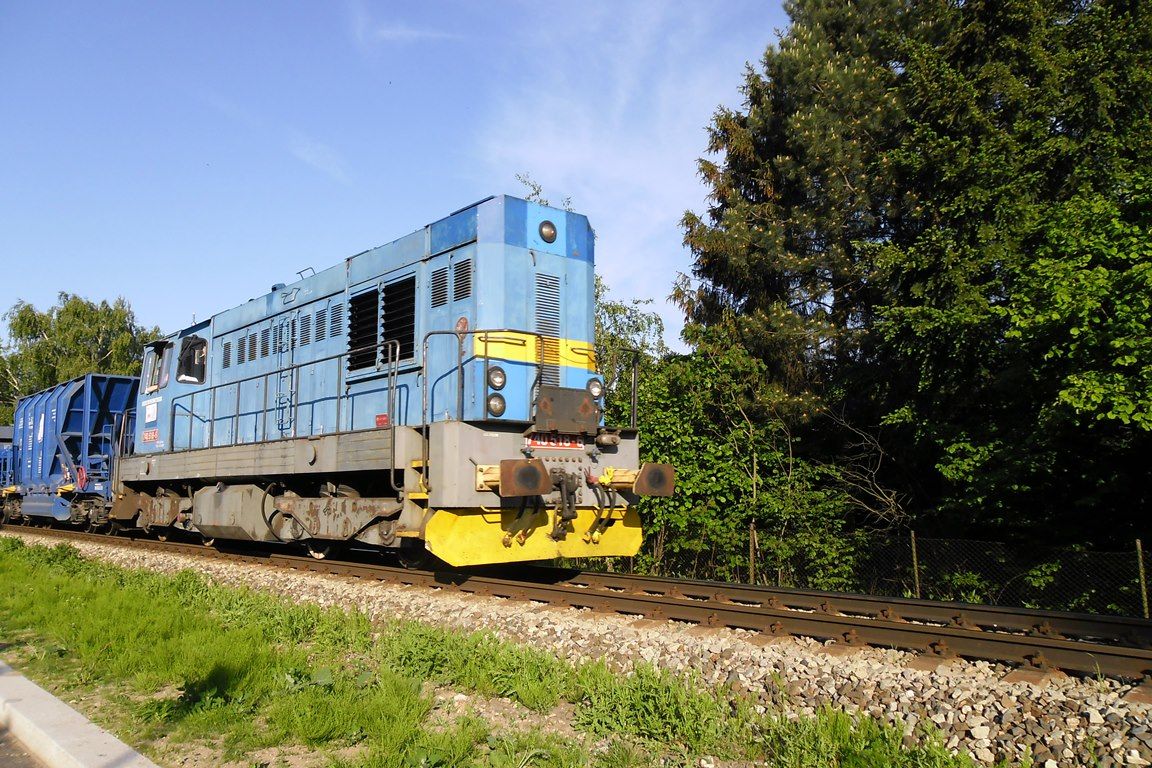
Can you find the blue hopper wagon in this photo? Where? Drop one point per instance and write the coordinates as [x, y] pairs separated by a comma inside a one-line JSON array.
[[64, 450]]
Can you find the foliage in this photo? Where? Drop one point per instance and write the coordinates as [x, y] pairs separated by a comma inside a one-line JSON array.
[[74, 337], [1087, 300], [930, 219], [746, 505]]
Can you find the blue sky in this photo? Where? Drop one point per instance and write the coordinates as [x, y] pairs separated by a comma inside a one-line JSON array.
[[188, 155]]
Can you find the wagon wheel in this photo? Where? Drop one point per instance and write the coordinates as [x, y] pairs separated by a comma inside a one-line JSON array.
[[161, 533], [208, 541]]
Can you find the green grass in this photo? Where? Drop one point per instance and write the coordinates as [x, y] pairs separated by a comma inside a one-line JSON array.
[[188, 662]]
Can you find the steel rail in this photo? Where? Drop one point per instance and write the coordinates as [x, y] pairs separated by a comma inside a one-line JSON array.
[[1117, 630], [714, 604]]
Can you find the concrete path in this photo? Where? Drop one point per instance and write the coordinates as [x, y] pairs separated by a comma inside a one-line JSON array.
[[54, 733]]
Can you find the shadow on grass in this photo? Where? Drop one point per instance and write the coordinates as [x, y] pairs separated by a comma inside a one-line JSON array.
[[214, 690]]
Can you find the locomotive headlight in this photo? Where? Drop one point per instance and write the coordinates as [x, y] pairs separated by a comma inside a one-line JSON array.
[[595, 388], [547, 231], [496, 377], [496, 405]]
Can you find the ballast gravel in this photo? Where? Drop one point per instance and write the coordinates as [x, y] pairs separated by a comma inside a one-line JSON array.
[[1054, 722]]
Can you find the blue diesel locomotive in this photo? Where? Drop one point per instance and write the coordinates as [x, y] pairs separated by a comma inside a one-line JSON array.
[[438, 393]]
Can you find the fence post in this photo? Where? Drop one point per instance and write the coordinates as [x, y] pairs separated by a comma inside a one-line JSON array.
[[1143, 579], [915, 566]]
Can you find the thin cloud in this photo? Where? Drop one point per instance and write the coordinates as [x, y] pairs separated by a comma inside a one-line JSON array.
[[402, 33], [319, 156], [368, 32]]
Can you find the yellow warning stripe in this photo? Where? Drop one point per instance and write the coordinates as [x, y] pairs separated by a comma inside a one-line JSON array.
[[526, 348]]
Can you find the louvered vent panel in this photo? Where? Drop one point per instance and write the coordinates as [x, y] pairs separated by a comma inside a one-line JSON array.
[[440, 287], [363, 329], [400, 315], [277, 333], [264, 343], [321, 323], [251, 346], [337, 320], [227, 354], [462, 280], [305, 329], [548, 325]]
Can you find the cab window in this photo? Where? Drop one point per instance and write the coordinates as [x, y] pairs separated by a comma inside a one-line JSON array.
[[156, 364], [192, 364]]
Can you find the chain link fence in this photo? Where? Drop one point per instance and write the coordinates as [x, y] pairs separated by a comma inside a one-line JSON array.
[[999, 574], [901, 564]]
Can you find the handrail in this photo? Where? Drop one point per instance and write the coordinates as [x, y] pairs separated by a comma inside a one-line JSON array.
[[390, 370], [460, 335]]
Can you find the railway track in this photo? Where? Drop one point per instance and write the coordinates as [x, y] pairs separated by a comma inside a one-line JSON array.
[[1114, 646]]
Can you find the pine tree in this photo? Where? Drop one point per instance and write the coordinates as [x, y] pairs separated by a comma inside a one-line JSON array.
[[892, 217]]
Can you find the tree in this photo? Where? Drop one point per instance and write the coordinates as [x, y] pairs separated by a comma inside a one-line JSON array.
[[626, 334], [74, 337], [747, 506], [896, 208]]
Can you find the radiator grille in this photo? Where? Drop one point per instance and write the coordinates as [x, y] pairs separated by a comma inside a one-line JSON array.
[[400, 315], [548, 326], [440, 287], [462, 280], [363, 329]]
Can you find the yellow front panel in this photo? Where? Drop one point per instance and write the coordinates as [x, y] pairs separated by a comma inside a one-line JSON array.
[[476, 537]]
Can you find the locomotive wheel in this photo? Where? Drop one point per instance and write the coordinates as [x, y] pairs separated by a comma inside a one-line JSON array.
[[208, 542], [161, 534], [319, 549], [412, 556]]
